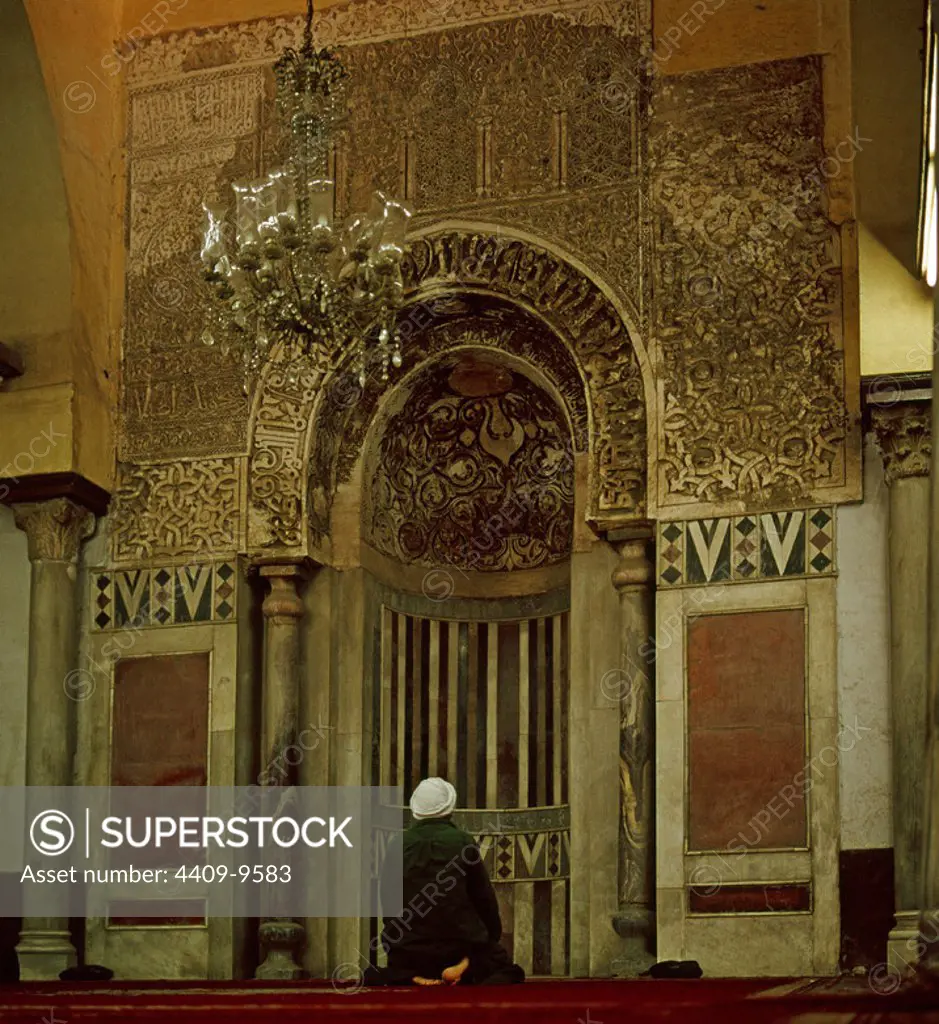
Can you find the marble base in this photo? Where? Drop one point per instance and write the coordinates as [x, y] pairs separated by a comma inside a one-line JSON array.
[[903, 943], [631, 922], [282, 941], [43, 955], [636, 927]]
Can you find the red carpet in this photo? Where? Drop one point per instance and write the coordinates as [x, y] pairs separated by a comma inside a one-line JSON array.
[[762, 1001]]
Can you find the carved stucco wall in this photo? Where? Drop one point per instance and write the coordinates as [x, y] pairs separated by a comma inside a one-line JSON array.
[[749, 317], [675, 231]]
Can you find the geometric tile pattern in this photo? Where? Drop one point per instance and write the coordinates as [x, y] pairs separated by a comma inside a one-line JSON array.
[[671, 553], [740, 549], [526, 856], [170, 596], [509, 856]]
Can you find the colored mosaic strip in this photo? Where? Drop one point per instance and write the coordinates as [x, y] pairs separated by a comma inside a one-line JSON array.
[[526, 856], [172, 596], [738, 549], [532, 856]]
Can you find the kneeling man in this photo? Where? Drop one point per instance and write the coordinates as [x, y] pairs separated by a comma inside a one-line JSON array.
[[451, 935]]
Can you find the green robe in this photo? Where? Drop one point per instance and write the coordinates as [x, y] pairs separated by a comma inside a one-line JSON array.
[[448, 899]]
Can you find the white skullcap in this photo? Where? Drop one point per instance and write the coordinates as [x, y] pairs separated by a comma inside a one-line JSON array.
[[433, 798]]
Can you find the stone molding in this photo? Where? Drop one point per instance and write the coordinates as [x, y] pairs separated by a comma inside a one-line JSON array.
[[41, 487], [636, 568]]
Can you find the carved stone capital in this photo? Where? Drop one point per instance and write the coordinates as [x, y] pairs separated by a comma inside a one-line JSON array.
[[283, 602], [54, 529], [636, 564], [904, 435]]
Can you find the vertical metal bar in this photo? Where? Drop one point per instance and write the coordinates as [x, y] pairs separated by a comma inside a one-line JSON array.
[[453, 698], [402, 691], [472, 691], [492, 717], [433, 696], [523, 712], [387, 675], [414, 685]]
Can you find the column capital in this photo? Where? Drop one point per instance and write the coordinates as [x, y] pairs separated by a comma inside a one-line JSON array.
[[282, 602], [904, 436], [636, 564], [54, 529]]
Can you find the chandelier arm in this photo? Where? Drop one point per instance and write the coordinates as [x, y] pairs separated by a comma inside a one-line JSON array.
[[296, 286], [308, 31]]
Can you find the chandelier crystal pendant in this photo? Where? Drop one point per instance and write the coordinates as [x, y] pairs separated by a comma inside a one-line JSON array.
[[285, 271]]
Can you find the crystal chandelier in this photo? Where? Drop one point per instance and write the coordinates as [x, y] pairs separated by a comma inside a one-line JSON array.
[[285, 271]]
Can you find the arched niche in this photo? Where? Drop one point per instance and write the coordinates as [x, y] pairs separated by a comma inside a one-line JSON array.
[[307, 439], [468, 482]]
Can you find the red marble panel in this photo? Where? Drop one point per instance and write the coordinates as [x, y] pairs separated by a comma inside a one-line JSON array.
[[160, 738], [746, 730], [133, 914], [746, 669], [752, 899], [161, 721]]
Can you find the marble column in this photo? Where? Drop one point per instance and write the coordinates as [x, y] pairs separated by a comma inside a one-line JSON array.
[[635, 921], [928, 967], [903, 432], [281, 938], [55, 530]]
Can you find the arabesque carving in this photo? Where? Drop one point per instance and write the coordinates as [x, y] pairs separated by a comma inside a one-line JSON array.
[[474, 471], [594, 344], [432, 327], [490, 115], [531, 119], [748, 290], [362, 21], [178, 508], [585, 317]]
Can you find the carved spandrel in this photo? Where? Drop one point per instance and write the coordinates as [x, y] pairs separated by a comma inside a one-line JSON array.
[[582, 317]]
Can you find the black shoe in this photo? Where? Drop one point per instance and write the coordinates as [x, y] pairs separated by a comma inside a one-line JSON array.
[[90, 972], [675, 969]]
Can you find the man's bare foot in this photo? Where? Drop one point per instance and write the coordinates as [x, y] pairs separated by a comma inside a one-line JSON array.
[[452, 975], [418, 980]]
